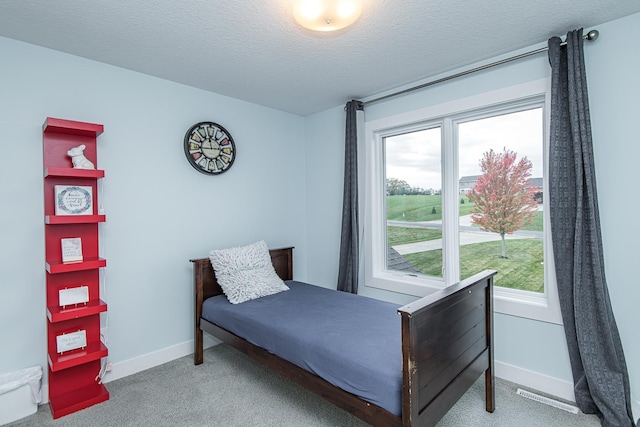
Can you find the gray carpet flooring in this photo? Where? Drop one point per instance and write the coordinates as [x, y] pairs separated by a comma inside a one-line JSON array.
[[230, 389]]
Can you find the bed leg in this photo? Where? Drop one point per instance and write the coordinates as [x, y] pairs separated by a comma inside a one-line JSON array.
[[489, 375], [198, 357], [490, 390]]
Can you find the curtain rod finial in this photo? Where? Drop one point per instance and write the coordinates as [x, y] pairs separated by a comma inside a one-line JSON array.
[[592, 35]]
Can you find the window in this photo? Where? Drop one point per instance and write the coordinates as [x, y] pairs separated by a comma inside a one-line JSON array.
[[459, 188]]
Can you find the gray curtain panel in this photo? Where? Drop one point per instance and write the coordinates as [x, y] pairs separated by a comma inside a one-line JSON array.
[[349, 243], [601, 382]]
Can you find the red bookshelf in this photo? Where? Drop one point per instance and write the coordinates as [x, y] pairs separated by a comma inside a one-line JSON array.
[[72, 373], [73, 173], [55, 219], [60, 314], [93, 351], [54, 267], [79, 398]]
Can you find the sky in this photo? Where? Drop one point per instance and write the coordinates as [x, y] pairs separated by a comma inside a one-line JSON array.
[[416, 157]]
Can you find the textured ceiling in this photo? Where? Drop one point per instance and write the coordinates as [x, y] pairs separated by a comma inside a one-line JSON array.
[[253, 50]]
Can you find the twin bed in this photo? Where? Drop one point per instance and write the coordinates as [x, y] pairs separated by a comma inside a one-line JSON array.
[[386, 365]]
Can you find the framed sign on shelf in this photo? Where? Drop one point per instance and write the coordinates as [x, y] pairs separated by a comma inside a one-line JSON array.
[[73, 200], [71, 249], [71, 341], [73, 296]]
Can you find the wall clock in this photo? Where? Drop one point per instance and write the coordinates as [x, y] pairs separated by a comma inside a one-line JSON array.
[[209, 148]]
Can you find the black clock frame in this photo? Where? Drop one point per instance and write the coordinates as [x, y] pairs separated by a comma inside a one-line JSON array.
[[193, 162]]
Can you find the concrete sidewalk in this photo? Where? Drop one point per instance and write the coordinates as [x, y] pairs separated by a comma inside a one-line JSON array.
[[468, 235], [466, 238]]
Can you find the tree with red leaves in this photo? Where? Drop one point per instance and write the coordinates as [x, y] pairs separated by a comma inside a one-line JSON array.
[[503, 200]]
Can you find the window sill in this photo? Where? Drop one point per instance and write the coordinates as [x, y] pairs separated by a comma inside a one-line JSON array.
[[405, 284], [529, 305]]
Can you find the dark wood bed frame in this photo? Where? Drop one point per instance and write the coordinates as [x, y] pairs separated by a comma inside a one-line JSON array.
[[447, 343]]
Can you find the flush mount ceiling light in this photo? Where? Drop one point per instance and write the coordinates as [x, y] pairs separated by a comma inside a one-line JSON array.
[[326, 15]]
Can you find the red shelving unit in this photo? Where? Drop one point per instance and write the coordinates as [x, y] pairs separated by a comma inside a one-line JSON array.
[[60, 314], [72, 373], [73, 173], [93, 351], [54, 267], [79, 398], [54, 219]]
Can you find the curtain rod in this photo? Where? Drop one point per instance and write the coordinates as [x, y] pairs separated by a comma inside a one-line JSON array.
[[590, 36]]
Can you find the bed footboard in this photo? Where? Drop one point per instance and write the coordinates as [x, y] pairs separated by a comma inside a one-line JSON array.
[[447, 343]]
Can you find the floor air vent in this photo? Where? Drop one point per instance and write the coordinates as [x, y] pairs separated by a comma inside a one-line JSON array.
[[547, 401]]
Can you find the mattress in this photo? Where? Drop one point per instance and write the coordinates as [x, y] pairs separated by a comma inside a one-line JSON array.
[[351, 341]]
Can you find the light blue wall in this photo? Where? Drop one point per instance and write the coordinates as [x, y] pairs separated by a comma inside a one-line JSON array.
[[324, 163], [160, 211], [614, 96], [613, 67]]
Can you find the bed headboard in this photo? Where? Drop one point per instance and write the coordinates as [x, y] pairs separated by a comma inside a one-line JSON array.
[[206, 285], [204, 278]]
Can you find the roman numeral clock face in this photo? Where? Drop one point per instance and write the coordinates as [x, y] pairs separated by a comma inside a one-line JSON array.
[[209, 148]]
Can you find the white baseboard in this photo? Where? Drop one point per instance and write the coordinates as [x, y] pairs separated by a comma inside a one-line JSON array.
[[44, 393], [141, 363], [536, 381], [523, 377], [546, 384], [149, 360]]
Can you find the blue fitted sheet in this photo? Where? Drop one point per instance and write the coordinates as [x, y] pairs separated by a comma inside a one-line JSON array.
[[351, 341]]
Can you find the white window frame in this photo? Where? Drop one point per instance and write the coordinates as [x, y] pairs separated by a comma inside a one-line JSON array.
[[539, 306]]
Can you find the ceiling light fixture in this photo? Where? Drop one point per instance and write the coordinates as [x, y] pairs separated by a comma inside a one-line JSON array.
[[326, 15]]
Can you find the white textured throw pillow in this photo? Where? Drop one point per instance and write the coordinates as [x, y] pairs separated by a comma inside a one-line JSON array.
[[246, 273]]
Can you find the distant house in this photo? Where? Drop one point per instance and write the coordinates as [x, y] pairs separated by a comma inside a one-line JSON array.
[[535, 182], [466, 183]]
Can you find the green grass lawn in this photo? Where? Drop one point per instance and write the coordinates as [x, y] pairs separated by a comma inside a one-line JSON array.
[[402, 235], [536, 225], [523, 269], [420, 208]]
